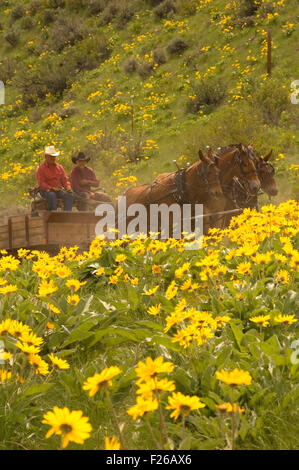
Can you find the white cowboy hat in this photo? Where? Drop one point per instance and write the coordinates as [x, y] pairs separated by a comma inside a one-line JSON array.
[[50, 150]]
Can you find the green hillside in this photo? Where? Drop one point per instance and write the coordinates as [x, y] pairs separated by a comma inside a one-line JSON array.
[[139, 83]]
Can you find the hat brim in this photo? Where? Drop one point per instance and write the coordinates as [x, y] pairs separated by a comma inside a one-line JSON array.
[[75, 160], [56, 154]]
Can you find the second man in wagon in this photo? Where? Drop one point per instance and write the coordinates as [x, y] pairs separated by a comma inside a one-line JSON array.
[[82, 179]]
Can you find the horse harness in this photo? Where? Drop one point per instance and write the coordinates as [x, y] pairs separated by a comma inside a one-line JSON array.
[[179, 191]]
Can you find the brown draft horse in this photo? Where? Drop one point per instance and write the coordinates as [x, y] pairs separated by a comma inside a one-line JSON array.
[[198, 184], [238, 194], [234, 162]]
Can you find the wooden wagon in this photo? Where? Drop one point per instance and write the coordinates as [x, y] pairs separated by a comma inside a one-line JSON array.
[[48, 231]]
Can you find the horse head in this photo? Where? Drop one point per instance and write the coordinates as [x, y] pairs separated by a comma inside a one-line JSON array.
[[246, 167], [266, 174], [209, 171]]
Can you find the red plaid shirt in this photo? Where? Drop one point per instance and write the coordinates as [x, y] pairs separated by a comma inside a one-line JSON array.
[[49, 177]]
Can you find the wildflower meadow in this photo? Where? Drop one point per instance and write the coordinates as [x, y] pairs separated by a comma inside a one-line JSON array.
[[141, 344]]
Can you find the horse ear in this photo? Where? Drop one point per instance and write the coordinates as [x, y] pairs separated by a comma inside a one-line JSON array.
[[267, 157], [201, 155]]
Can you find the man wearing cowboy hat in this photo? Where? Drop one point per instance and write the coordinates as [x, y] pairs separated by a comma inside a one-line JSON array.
[[82, 178], [53, 182]]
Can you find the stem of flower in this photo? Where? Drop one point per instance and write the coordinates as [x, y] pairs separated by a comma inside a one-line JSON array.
[[157, 444], [115, 419], [233, 421], [162, 421]]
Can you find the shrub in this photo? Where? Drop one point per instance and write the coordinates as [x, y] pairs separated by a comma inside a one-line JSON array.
[[95, 6], [110, 12], [75, 5], [34, 7], [247, 8], [17, 12], [27, 23], [130, 65], [159, 56], [144, 70], [91, 52], [48, 16], [66, 31], [53, 76], [12, 37], [270, 99], [56, 3], [154, 2], [125, 13], [7, 69], [210, 92], [177, 46], [165, 8], [187, 7]]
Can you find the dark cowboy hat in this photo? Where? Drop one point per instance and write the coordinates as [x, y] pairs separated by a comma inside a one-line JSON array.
[[80, 156]]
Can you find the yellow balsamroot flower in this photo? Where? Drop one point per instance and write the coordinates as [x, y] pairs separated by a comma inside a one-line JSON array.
[[183, 404], [100, 271], [236, 377], [230, 408], [9, 263], [179, 272], [134, 281], [73, 299], [63, 271], [221, 320], [120, 258], [143, 406], [187, 284], [156, 269], [151, 367], [151, 291], [46, 288], [7, 327], [113, 279], [4, 375], [53, 308], [31, 339], [282, 276], [58, 362], [171, 291], [8, 289], [244, 268], [41, 366], [4, 355], [154, 309], [72, 426], [101, 381], [261, 319], [28, 349], [146, 389], [74, 284], [20, 329], [112, 444], [289, 319]]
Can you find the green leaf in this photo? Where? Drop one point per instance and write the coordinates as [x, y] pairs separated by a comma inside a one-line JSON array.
[[35, 389], [238, 334], [165, 341], [77, 335]]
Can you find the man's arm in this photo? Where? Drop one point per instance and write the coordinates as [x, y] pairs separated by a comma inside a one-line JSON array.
[[41, 179], [92, 179]]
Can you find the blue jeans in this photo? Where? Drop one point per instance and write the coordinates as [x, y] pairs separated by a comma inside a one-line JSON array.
[[51, 198]]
